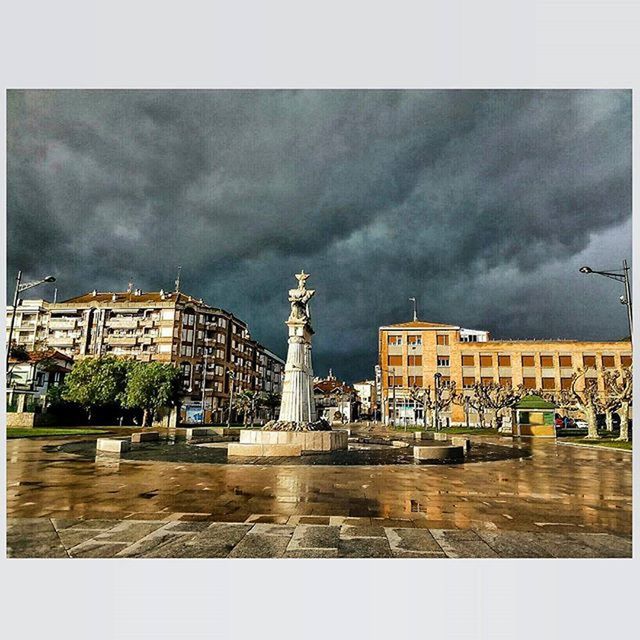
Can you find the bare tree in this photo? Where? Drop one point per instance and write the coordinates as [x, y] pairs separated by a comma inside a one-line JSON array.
[[434, 400], [563, 399], [587, 400], [619, 385], [495, 398]]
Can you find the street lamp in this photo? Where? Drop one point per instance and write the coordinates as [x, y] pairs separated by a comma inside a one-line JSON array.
[[20, 287], [392, 371], [232, 377], [204, 378], [620, 276], [436, 384]]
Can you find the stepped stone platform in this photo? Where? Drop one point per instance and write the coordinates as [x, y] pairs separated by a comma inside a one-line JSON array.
[[256, 442]]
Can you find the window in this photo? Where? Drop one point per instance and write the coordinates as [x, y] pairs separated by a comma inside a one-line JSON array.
[[505, 382], [467, 361], [565, 361], [504, 361], [394, 381], [565, 383], [442, 339], [394, 361], [625, 361], [486, 361], [415, 361], [394, 341], [546, 362], [415, 381], [589, 361], [443, 361], [486, 380], [529, 383], [548, 383], [445, 380], [467, 383], [414, 340], [528, 361], [608, 362]]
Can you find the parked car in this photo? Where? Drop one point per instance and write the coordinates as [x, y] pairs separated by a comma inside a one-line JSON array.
[[581, 424]]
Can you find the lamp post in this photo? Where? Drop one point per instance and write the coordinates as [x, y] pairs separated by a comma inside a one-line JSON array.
[[391, 371], [232, 377], [204, 380], [20, 287], [621, 275], [436, 384], [466, 410]]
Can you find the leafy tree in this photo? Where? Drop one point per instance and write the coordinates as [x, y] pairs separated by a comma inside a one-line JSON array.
[[150, 386], [246, 403], [96, 382], [271, 401]]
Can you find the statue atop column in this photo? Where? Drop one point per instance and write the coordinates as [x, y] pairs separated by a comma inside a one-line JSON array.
[[297, 408]]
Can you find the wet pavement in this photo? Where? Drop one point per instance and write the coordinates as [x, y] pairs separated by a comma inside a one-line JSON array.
[[63, 538], [556, 491]]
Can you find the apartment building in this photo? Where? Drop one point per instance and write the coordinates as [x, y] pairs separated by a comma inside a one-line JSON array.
[[30, 325], [207, 343], [412, 353]]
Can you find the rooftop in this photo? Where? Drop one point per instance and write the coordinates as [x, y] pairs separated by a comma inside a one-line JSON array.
[[421, 324]]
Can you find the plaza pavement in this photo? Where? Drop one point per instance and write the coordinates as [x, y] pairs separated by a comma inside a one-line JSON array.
[[556, 502]]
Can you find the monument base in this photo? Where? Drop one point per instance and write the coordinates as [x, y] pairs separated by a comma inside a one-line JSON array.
[[288, 425], [259, 443]]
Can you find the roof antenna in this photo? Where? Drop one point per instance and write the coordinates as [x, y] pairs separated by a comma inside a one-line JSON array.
[[130, 287], [415, 309], [178, 279]]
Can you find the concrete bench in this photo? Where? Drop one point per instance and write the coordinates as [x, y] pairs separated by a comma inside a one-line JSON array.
[[113, 445], [145, 436]]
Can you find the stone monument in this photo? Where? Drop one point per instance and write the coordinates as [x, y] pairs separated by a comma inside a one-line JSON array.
[[297, 429]]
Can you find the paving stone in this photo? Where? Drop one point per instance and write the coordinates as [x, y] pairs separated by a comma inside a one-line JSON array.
[[35, 542], [72, 537], [514, 544], [93, 549], [97, 525], [364, 548], [314, 520], [413, 543], [186, 526], [312, 553], [605, 545], [159, 544], [310, 536], [350, 531], [273, 529], [558, 545], [462, 544], [129, 531], [260, 545]]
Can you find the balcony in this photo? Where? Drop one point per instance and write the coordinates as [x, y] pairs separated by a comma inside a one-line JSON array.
[[123, 323], [61, 341], [122, 340], [62, 323]]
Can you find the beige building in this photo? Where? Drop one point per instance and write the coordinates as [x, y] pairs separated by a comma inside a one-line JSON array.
[[412, 353], [165, 327], [30, 326]]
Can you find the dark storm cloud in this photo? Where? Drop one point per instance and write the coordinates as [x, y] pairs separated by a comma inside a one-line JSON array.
[[481, 204]]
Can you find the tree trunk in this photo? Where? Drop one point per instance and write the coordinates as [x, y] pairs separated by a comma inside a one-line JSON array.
[[89, 415], [624, 422], [145, 414], [592, 423], [609, 421]]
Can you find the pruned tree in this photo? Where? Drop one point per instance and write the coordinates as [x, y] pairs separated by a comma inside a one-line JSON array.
[[434, 400], [563, 399], [587, 400], [271, 401], [495, 399], [619, 385], [246, 402]]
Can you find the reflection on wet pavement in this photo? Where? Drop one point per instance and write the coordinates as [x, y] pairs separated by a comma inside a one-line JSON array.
[[558, 489]]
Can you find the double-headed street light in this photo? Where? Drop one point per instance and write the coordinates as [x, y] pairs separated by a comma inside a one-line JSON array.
[[620, 276], [20, 287]]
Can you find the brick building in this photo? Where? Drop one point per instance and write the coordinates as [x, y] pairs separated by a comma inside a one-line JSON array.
[[411, 353]]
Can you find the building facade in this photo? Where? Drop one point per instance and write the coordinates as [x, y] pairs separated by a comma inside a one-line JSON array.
[[213, 349], [335, 400], [412, 353], [366, 391]]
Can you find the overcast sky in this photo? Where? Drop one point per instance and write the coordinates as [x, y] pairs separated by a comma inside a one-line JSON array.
[[481, 204]]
